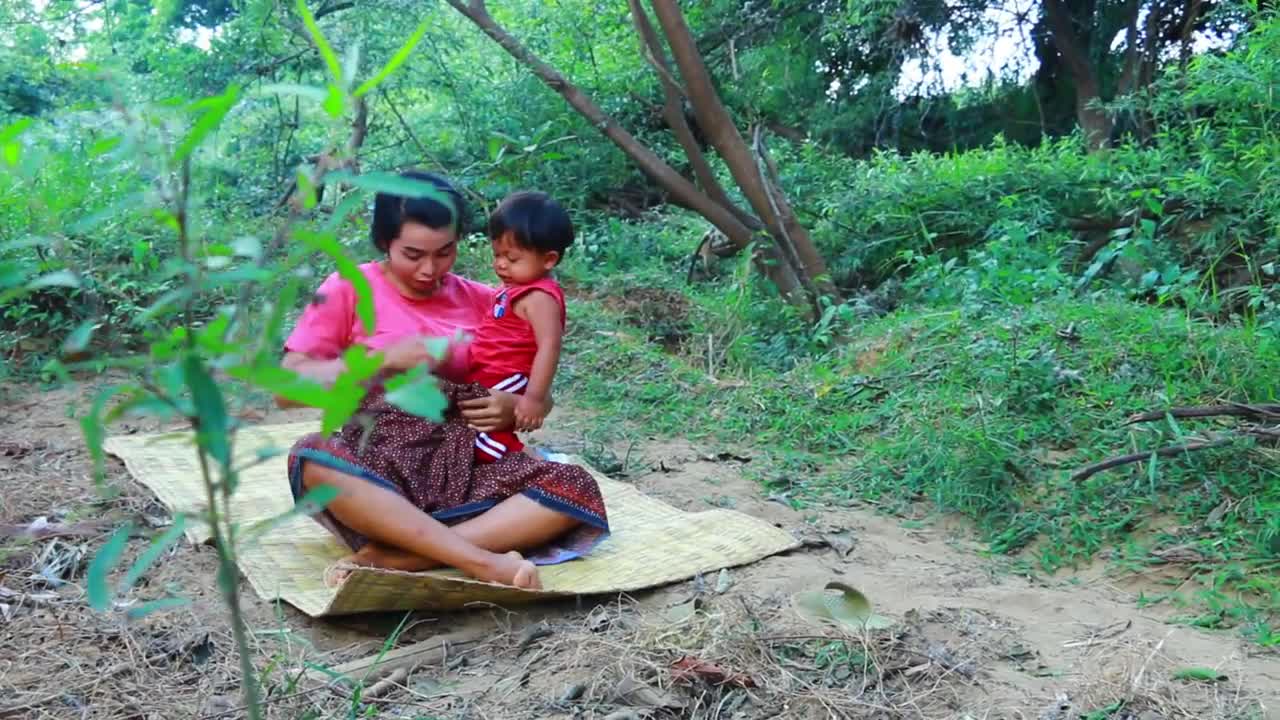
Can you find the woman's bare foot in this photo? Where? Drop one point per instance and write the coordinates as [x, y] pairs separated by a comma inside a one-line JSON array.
[[377, 555], [506, 568], [512, 569]]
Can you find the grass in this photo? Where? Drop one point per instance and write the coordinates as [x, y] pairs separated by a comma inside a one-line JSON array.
[[983, 409]]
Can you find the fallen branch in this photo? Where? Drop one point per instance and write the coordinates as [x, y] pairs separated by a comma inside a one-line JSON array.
[[1091, 470], [383, 686], [1199, 411], [429, 651]]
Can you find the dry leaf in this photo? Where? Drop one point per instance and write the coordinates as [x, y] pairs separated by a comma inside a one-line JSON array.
[[689, 668]]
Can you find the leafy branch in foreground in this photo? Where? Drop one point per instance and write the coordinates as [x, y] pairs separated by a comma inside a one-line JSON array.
[[197, 364]]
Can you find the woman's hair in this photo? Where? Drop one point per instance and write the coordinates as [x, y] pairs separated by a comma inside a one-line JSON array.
[[391, 212], [535, 221]]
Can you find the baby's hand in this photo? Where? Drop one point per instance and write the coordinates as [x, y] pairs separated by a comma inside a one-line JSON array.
[[530, 413]]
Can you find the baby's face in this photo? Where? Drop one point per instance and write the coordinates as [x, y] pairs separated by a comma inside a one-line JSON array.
[[517, 265]]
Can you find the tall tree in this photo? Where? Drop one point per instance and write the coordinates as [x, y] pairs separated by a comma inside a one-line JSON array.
[[790, 259]]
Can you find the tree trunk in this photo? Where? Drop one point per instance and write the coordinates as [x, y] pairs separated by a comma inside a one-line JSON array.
[[1128, 79], [684, 192], [1093, 120], [1192, 12], [715, 121], [673, 113]]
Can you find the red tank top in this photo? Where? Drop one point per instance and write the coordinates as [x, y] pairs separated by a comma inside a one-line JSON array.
[[504, 342]]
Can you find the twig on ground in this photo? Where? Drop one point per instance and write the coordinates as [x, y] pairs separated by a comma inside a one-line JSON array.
[[1091, 470], [1200, 411]]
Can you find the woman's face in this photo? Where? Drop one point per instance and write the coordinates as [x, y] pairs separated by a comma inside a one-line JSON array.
[[420, 257]]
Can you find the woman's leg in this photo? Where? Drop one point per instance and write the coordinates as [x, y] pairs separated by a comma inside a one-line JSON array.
[[517, 523], [391, 520]]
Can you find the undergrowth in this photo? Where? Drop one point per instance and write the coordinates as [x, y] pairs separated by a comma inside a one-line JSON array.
[[981, 407]]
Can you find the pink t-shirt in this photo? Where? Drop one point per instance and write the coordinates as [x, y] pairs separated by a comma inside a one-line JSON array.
[[329, 325]]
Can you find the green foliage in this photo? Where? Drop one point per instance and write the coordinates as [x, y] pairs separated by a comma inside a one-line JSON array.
[[418, 392], [979, 356], [203, 283]]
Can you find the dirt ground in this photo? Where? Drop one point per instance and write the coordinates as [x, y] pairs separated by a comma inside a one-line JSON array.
[[970, 640]]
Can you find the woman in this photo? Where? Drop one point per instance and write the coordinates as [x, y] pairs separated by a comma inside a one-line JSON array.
[[402, 477]]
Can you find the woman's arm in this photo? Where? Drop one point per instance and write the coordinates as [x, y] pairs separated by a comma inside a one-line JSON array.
[[320, 370]]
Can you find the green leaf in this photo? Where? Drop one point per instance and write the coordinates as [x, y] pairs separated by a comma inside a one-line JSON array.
[[280, 307], [103, 562], [26, 242], [236, 277], [344, 403], [1105, 712], [104, 146], [12, 153], [145, 609], [840, 604], [437, 347], [79, 338], [1199, 674], [210, 411], [153, 553], [215, 109], [307, 189], [163, 304], [334, 102], [360, 363], [213, 335], [310, 92], [392, 184], [284, 383], [95, 432], [140, 402], [247, 247], [418, 392], [314, 501], [395, 62], [349, 204], [348, 389], [58, 278], [326, 52], [12, 131], [12, 276], [349, 270], [317, 499]]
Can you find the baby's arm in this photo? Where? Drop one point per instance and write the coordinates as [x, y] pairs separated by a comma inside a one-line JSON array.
[[542, 312]]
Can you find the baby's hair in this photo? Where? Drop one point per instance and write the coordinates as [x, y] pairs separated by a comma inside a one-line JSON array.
[[535, 221], [391, 212]]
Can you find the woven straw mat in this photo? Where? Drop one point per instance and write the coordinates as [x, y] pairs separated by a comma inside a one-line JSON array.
[[652, 543]]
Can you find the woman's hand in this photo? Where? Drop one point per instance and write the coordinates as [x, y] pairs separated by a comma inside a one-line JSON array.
[[493, 412], [408, 354], [496, 411]]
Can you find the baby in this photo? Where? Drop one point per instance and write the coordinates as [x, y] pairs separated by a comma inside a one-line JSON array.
[[517, 346]]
